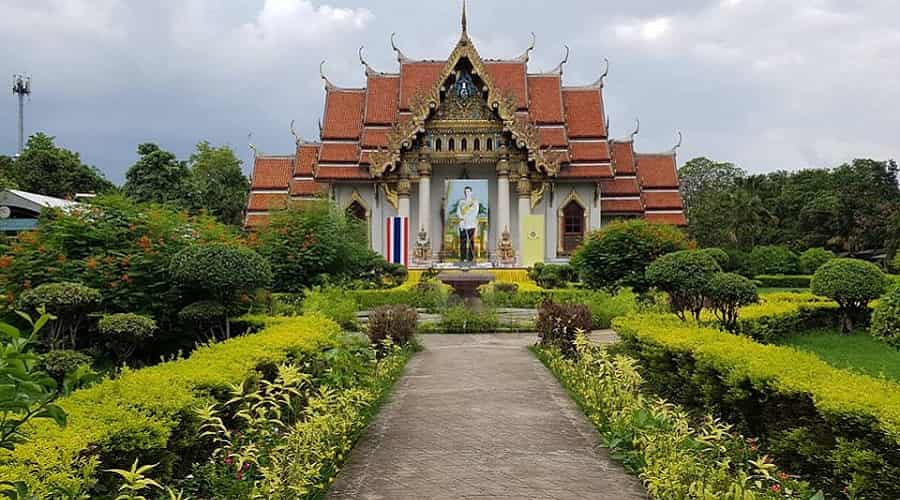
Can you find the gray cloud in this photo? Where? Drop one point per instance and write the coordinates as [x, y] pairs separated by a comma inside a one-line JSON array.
[[769, 84]]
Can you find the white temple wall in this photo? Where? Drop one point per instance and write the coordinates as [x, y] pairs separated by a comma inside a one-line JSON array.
[[555, 199]]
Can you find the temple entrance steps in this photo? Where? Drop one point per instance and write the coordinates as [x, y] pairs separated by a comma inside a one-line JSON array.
[[478, 416]]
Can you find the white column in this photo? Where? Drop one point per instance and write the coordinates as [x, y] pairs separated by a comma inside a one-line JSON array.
[[523, 189], [503, 205], [403, 189], [424, 206]]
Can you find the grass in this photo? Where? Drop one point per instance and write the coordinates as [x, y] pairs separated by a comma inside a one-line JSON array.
[[765, 291], [857, 352]]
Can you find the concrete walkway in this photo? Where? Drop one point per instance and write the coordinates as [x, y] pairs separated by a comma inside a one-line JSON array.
[[478, 416]]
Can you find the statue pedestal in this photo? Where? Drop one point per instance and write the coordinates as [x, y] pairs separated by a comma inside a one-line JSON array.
[[465, 284]]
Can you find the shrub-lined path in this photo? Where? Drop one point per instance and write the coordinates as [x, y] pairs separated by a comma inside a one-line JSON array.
[[478, 416]]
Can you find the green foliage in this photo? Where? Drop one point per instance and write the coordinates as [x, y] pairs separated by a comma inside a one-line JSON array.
[[157, 177], [727, 293], [506, 287], [125, 332], [895, 263], [461, 319], [27, 394], [886, 318], [334, 303], [69, 303], [7, 173], [772, 259], [47, 169], [58, 363], [720, 256], [852, 284], [397, 323], [686, 277], [771, 392], [118, 247], [552, 275], [779, 315], [558, 324], [813, 258], [617, 255], [207, 317], [783, 281], [315, 243], [708, 190], [135, 481], [430, 295], [217, 183], [676, 456], [146, 412]]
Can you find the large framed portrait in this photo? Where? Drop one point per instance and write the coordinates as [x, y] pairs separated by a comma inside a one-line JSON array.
[[466, 219]]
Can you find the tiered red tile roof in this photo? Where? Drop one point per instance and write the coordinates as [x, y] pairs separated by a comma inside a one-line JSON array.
[[571, 122]]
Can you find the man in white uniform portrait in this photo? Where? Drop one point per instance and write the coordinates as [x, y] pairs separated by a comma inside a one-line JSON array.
[[467, 210]]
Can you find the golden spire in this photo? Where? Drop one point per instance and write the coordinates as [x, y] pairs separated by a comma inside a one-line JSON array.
[[464, 22]]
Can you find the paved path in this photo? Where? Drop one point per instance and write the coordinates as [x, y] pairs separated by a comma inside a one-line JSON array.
[[478, 416]]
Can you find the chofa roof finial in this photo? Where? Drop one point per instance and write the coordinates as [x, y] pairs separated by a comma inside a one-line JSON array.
[[559, 68], [637, 129], [678, 145], [251, 145], [401, 57], [294, 133], [526, 56], [465, 23], [328, 84], [362, 60]]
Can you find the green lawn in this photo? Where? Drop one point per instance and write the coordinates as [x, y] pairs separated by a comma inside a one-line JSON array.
[[765, 291], [858, 352]]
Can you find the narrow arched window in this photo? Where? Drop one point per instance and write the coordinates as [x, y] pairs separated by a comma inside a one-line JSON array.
[[451, 145], [477, 145], [490, 144], [464, 144], [437, 144], [572, 226]]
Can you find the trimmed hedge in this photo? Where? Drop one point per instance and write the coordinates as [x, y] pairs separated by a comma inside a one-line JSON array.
[[781, 314], [783, 280], [149, 412], [837, 428]]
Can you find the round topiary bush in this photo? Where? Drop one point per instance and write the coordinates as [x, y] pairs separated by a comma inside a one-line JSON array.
[[685, 276], [61, 362], [852, 283], [124, 332], [811, 260], [69, 302], [395, 322], [773, 259], [720, 256], [886, 318], [207, 316], [728, 292]]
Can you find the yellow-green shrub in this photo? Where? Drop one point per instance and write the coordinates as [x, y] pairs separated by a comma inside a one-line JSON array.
[[781, 314], [147, 412], [812, 417]]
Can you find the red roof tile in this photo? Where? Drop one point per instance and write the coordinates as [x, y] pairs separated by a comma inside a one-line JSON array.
[[364, 158], [272, 172], [307, 156], [586, 172], [382, 96], [620, 206], [657, 171], [675, 219], [349, 172], [509, 77], [623, 157], [339, 152], [589, 151], [267, 201], [619, 187], [545, 99], [584, 113], [306, 187], [375, 137], [417, 77], [662, 200], [255, 221], [343, 114], [553, 136]]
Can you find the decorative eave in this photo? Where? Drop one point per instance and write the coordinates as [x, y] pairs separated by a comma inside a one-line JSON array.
[[423, 104]]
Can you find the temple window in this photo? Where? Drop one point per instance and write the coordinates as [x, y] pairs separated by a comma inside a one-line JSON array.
[[451, 145], [464, 144], [437, 144], [476, 145], [490, 144], [573, 226]]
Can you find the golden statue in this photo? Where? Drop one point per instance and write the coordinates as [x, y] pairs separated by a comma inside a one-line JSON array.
[[505, 251], [422, 252]]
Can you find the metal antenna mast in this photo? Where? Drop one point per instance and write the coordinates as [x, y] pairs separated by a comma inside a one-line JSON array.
[[21, 87]]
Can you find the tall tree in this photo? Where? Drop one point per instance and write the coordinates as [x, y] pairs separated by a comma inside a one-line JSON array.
[[708, 188], [217, 183], [157, 177], [47, 169], [7, 175]]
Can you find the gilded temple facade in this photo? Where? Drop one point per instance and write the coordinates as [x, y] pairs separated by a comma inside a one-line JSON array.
[[470, 159]]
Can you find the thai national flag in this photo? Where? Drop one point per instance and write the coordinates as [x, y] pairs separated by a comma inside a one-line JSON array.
[[397, 240]]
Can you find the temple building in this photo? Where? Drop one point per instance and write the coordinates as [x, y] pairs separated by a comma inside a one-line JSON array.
[[470, 160]]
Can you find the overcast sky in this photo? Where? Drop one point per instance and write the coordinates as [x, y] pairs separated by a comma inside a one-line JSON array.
[[769, 84]]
